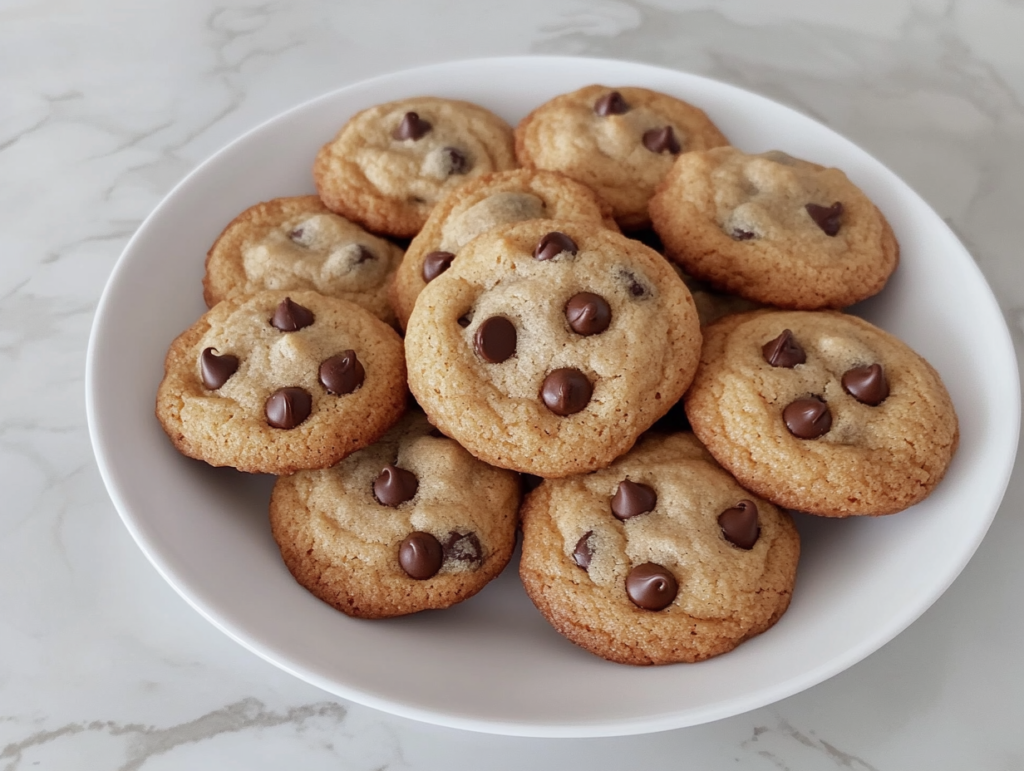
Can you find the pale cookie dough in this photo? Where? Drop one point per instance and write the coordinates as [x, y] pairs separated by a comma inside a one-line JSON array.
[[661, 557]]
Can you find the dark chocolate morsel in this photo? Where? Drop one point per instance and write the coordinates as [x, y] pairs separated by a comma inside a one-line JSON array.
[[436, 263], [495, 339], [411, 127], [566, 391], [395, 486], [632, 499], [216, 369], [739, 524], [553, 244], [651, 586], [742, 235], [583, 552], [290, 316], [342, 373], [828, 218], [464, 321], [420, 555], [661, 139], [784, 351], [808, 418], [611, 103], [458, 163], [288, 407], [463, 547], [588, 313], [867, 384]]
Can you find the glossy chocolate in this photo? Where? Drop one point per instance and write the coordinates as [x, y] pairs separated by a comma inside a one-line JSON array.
[[411, 127], [288, 407], [566, 391], [588, 313], [342, 374], [632, 499], [651, 586], [553, 244], [828, 218], [739, 524], [395, 486], [808, 418], [495, 339], [784, 351], [436, 263], [867, 385], [290, 316], [216, 369], [420, 555]]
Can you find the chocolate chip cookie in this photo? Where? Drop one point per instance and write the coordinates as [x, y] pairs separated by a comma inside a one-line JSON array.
[[299, 244], [822, 412], [280, 381], [619, 141], [390, 164], [410, 523], [481, 205], [774, 229], [548, 347], [661, 557]]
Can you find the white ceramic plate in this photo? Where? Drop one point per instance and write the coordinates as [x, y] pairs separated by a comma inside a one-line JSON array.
[[493, 664]]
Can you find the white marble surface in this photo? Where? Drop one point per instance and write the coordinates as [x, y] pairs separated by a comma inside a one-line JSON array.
[[105, 106]]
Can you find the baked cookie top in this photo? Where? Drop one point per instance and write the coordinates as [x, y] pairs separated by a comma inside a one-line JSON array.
[[661, 557], [548, 347], [619, 141], [391, 163], [410, 523], [280, 381], [822, 412], [296, 244], [481, 205], [774, 229]]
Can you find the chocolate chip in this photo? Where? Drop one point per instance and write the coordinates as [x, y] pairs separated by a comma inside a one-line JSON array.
[[867, 384], [742, 235], [342, 374], [611, 103], [420, 555], [588, 313], [566, 391], [826, 217], [739, 524], [651, 586], [436, 263], [464, 321], [288, 407], [394, 486], [661, 139], [808, 418], [216, 369], [553, 244], [583, 552], [463, 547], [784, 351], [632, 499], [633, 285], [411, 127], [456, 161], [495, 339], [290, 316]]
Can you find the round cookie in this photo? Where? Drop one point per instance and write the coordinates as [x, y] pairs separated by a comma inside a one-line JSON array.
[[822, 412], [410, 523], [280, 381], [774, 229], [481, 205], [551, 364], [390, 164], [620, 142], [299, 244], [661, 557]]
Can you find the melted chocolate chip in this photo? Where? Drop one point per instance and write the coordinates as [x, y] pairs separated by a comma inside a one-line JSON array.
[[553, 244], [611, 103], [457, 162], [867, 385], [464, 321], [633, 284], [395, 486], [742, 235], [828, 218], [784, 351], [662, 139], [463, 547], [216, 369], [342, 374], [420, 555], [583, 552], [588, 313], [436, 263], [495, 339], [632, 499], [290, 316], [651, 586], [411, 127], [288, 407], [808, 418], [566, 391], [739, 524]]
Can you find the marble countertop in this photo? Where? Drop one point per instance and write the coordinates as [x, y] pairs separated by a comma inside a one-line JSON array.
[[106, 106]]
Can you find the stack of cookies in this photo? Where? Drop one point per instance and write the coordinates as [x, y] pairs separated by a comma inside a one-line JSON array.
[[571, 287]]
